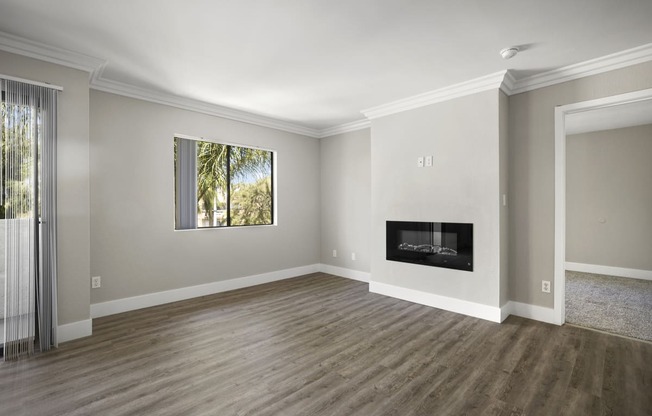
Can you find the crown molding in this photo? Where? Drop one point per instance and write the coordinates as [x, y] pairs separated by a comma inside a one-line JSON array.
[[345, 128], [487, 82], [605, 63], [127, 90], [508, 84], [504, 80], [95, 68], [52, 54]]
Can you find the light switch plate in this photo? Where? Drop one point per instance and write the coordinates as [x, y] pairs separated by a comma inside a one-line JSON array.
[[420, 162]]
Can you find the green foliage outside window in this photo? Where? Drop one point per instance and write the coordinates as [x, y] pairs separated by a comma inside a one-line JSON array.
[[16, 164], [234, 185]]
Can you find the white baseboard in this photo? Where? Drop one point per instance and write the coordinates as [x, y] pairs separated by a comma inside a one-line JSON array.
[[505, 311], [158, 298], [525, 310], [464, 307], [342, 272], [608, 270], [74, 330]]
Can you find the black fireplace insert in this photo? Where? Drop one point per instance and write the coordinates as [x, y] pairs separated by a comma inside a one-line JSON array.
[[438, 244]]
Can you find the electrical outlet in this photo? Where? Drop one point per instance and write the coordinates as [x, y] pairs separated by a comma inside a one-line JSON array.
[[96, 282], [334, 253], [545, 286], [353, 256], [428, 161]]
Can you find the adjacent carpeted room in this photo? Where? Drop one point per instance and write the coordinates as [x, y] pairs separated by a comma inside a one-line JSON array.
[[618, 305]]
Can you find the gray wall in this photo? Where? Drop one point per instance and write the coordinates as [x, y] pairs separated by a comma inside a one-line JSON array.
[[532, 173], [136, 251], [503, 125], [462, 186], [609, 177], [134, 246], [72, 182], [346, 199]]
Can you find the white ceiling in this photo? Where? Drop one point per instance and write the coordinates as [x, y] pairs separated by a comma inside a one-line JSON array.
[[318, 63]]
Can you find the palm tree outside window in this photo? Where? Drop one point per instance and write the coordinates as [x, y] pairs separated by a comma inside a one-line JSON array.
[[222, 185]]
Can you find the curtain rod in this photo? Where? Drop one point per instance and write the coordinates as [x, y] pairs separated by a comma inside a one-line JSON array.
[[28, 81]]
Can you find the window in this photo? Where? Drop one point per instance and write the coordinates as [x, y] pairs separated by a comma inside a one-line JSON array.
[[222, 185]]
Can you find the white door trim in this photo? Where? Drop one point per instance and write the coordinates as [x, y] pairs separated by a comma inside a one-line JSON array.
[[560, 184]]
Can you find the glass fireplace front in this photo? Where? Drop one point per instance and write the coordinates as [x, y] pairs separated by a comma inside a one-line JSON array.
[[438, 244]]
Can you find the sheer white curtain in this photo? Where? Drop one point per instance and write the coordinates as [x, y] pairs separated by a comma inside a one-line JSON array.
[[28, 210]]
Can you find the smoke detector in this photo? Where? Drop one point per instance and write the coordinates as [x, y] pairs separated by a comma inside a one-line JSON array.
[[508, 53]]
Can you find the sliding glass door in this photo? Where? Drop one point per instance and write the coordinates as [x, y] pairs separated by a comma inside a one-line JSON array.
[[27, 217]]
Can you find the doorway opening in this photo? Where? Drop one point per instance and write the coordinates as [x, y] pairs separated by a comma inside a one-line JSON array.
[[603, 214]]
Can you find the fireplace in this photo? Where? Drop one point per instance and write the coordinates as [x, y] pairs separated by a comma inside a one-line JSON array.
[[437, 244]]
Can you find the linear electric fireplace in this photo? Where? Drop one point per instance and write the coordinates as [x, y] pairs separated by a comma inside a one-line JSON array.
[[438, 244]]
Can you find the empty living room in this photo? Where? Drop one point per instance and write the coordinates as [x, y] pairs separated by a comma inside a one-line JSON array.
[[307, 207]]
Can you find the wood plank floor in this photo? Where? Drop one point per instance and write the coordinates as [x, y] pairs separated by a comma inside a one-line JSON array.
[[324, 345]]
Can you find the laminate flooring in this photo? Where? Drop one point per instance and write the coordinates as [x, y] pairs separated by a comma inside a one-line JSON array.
[[323, 345]]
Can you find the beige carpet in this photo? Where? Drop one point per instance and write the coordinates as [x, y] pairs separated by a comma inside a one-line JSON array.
[[619, 305]]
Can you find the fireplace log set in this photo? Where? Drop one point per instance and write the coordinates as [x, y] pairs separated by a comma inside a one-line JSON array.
[[437, 244]]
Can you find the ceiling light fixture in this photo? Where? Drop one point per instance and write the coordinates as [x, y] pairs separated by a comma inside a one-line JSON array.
[[508, 53]]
